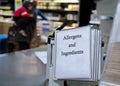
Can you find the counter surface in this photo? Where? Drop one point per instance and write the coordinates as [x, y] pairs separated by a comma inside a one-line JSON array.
[[22, 69]]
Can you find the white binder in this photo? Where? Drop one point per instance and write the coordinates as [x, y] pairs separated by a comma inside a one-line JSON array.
[[78, 54]]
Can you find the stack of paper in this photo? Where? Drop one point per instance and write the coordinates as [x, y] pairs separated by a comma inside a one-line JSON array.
[[78, 54], [96, 58]]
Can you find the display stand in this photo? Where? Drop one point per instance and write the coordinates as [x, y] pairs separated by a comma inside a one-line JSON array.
[[57, 74]]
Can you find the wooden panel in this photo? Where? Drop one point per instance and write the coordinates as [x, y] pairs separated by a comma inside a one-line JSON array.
[[112, 72]]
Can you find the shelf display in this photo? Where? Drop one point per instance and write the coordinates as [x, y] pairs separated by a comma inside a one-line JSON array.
[[60, 11], [5, 14], [56, 12], [58, 6], [5, 19], [5, 7], [67, 1]]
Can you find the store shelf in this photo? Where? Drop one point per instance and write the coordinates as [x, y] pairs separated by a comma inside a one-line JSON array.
[[6, 15], [66, 1], [53, 18], [56, 19], [49, 18], [59, 11], [71, 21], [60, 1], [5, 21], [45, 1], [4, 7]]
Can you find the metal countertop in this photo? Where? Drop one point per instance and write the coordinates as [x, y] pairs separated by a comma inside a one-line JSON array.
[[22, 68]]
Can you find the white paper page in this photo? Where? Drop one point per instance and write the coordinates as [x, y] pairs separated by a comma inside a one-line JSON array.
[[42, 56], [92, 51], [74, 66], [97, 55], [94, 59], [100, 57]]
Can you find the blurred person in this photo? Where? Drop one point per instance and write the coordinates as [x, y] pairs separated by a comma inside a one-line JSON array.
[[25, 25], [23, 11], [24, 28]]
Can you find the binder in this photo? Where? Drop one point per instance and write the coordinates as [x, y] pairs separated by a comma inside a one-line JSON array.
[[84, 66]]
